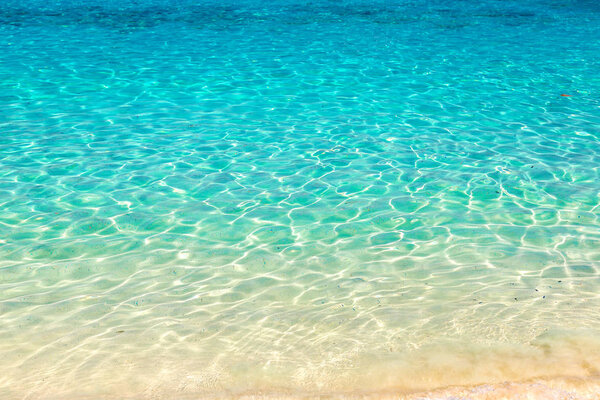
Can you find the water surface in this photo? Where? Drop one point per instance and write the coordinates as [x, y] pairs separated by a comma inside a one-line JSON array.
[[296, 198]]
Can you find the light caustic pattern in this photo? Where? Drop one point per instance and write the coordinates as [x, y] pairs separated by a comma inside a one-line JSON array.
[[211, 199]]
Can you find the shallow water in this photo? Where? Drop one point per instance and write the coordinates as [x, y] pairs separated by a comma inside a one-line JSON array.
[[297, 199]]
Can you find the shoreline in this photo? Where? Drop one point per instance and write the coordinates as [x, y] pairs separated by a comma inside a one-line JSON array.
[[555, 388], [557, 366], [549, 388]]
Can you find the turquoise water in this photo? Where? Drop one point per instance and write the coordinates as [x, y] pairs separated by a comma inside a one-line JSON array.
[[216, 198]]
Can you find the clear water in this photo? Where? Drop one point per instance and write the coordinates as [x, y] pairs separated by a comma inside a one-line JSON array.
[[297, 198]]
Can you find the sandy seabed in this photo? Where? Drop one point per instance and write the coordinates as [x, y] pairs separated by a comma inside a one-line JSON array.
[[563, 388]]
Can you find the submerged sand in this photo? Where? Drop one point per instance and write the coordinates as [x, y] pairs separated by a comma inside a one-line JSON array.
[[559, 388], [557, 365], [549, 389]]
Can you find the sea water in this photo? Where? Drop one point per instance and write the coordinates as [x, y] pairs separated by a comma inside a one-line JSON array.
[[299, 198]]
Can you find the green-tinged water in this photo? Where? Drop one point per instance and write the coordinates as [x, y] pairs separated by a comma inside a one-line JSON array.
[[208, 199]]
